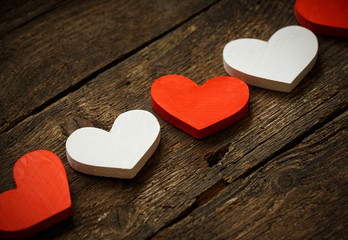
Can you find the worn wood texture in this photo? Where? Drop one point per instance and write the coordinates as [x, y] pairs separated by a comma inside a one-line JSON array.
[[185, 175], [296, 196], [71, 44], [16, 13]]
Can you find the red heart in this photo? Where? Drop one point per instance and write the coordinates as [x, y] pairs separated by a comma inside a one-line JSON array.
[[328, 17], [200, 111], [41, 199]]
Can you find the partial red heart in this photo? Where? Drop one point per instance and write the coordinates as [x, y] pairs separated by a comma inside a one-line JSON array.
[[329, 17], [41, 199], [200, 111]]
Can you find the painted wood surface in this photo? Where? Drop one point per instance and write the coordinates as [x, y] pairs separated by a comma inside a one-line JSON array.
[[186, 175], [200, 111], [279, 64], [329, 17], [120, 153], [41, 199]]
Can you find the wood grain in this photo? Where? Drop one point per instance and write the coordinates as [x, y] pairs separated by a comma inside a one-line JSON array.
[[292, 197], [52, 54], [184, 173], [16, 13]]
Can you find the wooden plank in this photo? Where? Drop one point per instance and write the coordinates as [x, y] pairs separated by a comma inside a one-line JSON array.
[[52, 54], [301, 194], [308, 106], [16, 13], [184, 172]]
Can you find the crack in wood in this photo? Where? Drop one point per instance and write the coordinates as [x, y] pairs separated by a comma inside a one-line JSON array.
[[212, 192], [95, 74], [214, 158], [331, 116], [203, 198], [292, 143]]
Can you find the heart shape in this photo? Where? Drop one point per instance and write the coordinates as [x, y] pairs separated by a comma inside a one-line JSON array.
[[329, 17], [120, 153], [41, 199], [279, 64], [200, 111]]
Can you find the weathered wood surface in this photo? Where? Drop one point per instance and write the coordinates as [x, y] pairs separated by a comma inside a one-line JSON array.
[[63, 49], [295, 196], [16, 13], [289, 150]]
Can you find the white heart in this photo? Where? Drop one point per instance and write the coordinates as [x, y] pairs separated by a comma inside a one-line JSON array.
[[279, 64], [120, 153]]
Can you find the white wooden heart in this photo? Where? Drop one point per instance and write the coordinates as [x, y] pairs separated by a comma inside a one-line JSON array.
[[120, 153], [279, 64]]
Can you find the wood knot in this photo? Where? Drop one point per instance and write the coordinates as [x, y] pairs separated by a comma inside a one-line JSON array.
[[284, 180], [74, 123], [122, 219]]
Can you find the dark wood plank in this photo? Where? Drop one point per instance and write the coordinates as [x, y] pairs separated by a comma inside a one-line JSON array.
[[308, 105], [14, 13], [52, 54], [301, 194], [184, 173]]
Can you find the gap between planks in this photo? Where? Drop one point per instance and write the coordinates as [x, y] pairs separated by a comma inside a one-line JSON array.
[[93, 75], [214, 191]]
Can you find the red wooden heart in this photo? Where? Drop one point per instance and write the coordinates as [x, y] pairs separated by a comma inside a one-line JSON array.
[[329, 17], [200, 111], [41, 199]]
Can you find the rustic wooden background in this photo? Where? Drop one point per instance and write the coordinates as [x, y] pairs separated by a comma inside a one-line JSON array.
[[279, 173]]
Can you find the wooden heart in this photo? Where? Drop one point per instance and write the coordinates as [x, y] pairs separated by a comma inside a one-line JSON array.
[[279, 64], [200, 111], [120, 153], [329, 17], [41, 199]]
